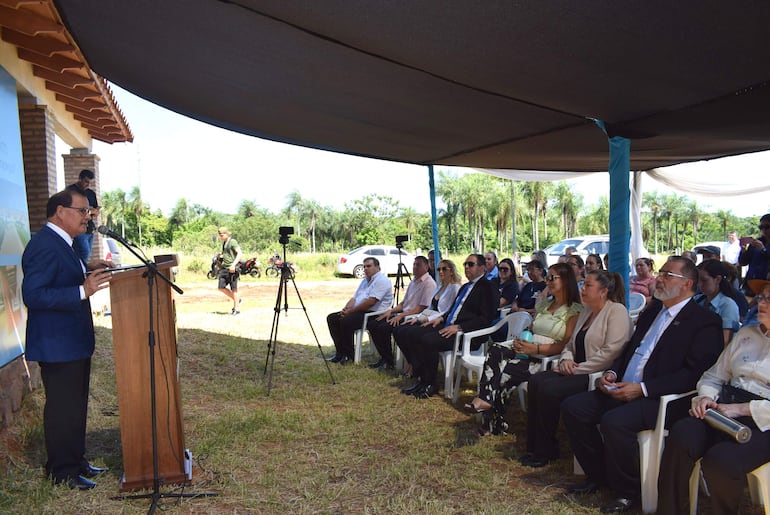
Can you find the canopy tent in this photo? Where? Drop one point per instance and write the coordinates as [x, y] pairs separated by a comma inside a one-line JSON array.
[[480, 84], [505, 85]]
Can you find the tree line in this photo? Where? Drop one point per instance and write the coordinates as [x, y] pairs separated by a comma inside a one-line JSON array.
[[480, 212]]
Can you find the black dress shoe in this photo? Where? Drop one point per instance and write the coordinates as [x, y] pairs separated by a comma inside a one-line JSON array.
[[584, 488], [619, 505], [526, 457], [378, 364], [385, 367], [411, 389], [90, 471], [534, 462], [80, 483], [335, 359], [426, 393], [343, 360]]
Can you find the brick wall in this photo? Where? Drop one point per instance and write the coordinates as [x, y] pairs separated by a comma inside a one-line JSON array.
[[39, 158]]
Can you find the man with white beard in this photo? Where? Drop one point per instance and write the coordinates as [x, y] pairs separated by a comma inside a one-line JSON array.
[[675, 341]]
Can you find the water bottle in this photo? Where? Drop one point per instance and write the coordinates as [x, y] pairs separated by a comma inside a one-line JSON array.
[[735, 429], [527, 337]]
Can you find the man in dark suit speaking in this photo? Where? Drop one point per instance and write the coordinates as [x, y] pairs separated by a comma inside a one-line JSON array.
[[474, 308], [60, 333], [675, 341]]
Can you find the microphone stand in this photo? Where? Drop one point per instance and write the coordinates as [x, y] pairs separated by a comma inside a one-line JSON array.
[[152, 272]]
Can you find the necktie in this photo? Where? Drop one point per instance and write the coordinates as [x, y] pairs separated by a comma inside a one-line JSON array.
[[634, 369], [456, 307]]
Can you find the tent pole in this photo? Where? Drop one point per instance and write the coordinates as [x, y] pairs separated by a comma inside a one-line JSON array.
[[620, 205], [620, 208], [434, 219]]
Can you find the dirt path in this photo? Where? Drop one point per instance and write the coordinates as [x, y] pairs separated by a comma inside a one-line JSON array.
[[207, 292]]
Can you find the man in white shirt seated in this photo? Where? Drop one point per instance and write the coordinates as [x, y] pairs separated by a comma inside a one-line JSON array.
[[373, 294]]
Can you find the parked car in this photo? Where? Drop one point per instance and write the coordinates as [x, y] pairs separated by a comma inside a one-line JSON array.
[[592, 244], [352, 263], [718, 244], [111, 251]]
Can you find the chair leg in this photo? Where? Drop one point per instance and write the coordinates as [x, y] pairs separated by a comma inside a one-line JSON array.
[[458, 380], [759, 486], [358, 337], [695, 480], [522, 390]]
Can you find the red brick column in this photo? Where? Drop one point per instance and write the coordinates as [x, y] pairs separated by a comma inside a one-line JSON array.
[[36, 125]]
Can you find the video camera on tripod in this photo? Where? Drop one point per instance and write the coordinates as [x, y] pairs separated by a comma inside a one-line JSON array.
[[285, 232], [402, 271]]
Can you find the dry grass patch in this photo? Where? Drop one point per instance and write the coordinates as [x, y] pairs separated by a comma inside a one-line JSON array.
[[357, 446]]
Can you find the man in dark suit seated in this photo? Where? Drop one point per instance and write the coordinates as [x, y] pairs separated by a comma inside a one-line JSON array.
[[474, 308], [60, 333], [675, 341]]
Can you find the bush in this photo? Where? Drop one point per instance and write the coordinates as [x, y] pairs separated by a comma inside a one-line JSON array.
[[196, 265]]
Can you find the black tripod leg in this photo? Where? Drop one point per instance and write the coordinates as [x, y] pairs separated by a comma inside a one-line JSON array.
[[312, 329], [273, 341]]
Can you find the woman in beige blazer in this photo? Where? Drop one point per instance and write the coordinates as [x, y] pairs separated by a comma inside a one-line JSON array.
[[602, 329]]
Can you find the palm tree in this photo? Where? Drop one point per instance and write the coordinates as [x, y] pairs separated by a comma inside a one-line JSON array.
[[137, 209], [535, 192], [654, 204]]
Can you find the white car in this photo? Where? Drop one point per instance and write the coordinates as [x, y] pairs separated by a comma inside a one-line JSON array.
[[111, 251], [593, 244], [352, 263]]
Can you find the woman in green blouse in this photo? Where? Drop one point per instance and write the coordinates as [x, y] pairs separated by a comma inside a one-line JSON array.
[[507, 367]]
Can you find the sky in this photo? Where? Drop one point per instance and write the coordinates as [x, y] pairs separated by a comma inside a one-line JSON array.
[[175, 157]]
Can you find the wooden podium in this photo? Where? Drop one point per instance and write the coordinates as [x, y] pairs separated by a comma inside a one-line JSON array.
[[130, 328]]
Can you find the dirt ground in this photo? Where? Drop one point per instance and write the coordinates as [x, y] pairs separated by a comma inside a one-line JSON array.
[[207, 292]]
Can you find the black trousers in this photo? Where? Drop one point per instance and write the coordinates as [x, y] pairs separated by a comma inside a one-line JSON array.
[[407, 337], [381, 331], [64, 416], [725, 464], [341, 329], [609, 457], [546, 391]]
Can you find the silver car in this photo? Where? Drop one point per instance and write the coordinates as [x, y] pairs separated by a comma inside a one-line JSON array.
[[352, 263]]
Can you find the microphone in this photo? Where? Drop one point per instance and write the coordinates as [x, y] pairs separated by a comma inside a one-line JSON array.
[[106, 231], [732, 427]]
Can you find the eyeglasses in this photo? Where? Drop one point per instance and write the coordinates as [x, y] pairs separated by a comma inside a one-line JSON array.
[[666, 274], [504, 269], [85, 211], [764, 227], [762, 298], [551, 277], [470, 264], [443, 268]]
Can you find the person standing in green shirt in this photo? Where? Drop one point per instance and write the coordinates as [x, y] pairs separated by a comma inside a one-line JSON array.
[[228, 274]]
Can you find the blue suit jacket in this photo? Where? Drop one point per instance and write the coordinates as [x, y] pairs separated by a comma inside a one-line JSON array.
[[688, 347], [59, 324]]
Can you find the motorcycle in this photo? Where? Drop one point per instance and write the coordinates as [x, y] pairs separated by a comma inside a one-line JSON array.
[[216, 266], [250, 267], [274, 266]]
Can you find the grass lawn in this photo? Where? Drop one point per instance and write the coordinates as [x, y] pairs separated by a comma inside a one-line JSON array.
[[355, 446]]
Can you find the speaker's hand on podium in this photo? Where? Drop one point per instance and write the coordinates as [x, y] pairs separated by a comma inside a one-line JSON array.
[[97, 280]]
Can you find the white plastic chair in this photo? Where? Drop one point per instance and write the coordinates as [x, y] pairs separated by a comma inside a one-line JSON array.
[[545, 363], [650, 452], [473, 361], [592, 378], [358, 336], [636, 304], [759, 486]]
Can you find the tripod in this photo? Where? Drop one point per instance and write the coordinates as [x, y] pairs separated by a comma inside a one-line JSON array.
[[286, 276], [400, 273], [150, 274]]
